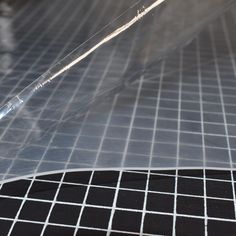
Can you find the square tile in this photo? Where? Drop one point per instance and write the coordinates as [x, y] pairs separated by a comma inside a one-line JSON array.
[[100, 196], [190, 226], [190, 186], [219, 189], [9, 207], [15, 188], [121, 221], [218, 228], [23, 228], [95, 217], [160, 183], [157, 224], [52, 230], [220, 209], [190, 205], [130, 199], [71, 193], [35, 211], [65, 214], [43, 190], [160, 202], [133, 180]]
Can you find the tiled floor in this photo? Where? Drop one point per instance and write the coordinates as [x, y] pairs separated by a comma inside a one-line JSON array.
[[194, 202]]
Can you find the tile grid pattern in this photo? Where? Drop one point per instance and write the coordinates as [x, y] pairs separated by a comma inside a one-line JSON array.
[[97, 204], [204, 126]]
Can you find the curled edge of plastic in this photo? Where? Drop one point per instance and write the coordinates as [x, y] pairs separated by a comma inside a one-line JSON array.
[[75, 57]]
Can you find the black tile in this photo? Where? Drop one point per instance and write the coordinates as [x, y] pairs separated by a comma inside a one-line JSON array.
[[234, 174], [219, 228], [162, 183], [54, 177], [220, 209], [219, 189], [189, 226], [95, 217], [34, 211], [16, 188], [105, 178], [5, 226], [9, 207], [133, 180], [81, 177], [22, 228], [130, 199], [158, 224], [58, 231], [64, 214], [160, 202], [126, 221], [218, 174], [190, 205], [190, 186], [86, 232], [43, 190], [71, 193], [191, 173], [100, 196]]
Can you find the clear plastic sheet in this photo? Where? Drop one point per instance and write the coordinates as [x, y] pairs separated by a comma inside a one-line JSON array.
[[99, 107]]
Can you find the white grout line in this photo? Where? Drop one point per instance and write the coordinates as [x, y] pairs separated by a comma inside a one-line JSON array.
[[173, 120], [178, 141], [112, 188], [154, 130], [152, 148], [123, 158], [198, 55], [20, 208], [214, 51], [229, 45], [127, 210]]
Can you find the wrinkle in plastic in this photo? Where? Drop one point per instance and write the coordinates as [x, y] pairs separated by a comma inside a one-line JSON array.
[[99, 107]]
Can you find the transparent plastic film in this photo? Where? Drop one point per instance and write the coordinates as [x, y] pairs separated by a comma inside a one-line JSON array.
[[122, 98]]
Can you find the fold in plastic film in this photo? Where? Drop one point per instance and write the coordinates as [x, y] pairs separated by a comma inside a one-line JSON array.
[[125, 97]]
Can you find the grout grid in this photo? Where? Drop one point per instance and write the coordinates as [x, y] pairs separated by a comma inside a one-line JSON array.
[[159, 202], [202, 129], [173, 117]]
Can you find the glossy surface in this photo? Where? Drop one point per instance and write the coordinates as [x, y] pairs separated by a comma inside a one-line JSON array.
[[120, 107]]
